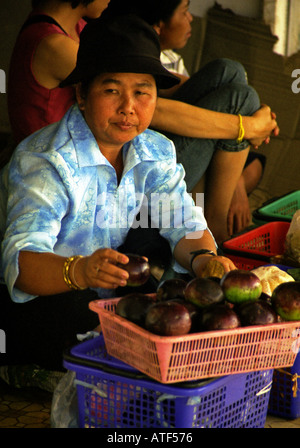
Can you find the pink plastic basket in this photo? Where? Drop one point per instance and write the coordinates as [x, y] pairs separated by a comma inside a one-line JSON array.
[[198, 355]]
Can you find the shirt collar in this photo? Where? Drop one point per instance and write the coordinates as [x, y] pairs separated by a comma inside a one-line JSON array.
[[142, 147], [86, 147]]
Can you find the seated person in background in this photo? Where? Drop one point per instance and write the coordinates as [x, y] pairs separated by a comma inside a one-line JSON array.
[[44, 54], [72, 191], [201, 116], [239, 215]]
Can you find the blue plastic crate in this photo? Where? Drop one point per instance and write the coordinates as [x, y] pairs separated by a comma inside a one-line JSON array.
[[114, 395], [285, 393], [94, 350]]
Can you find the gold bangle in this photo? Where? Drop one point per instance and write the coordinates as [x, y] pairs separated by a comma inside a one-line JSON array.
[[66, 272], [241, 130], [73, 271]]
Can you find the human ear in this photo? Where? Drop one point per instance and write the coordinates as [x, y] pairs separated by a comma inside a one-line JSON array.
[[157, 27], [79, 97]]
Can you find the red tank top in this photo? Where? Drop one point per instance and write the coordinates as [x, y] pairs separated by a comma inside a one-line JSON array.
[[30, 105]]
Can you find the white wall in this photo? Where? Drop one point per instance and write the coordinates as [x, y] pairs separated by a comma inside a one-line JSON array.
[[248, 8]]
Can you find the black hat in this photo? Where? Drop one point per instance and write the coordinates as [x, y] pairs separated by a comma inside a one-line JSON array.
[[125, 44]]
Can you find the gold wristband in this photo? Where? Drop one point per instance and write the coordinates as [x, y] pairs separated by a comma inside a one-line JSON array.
[[241, 130], [66, 272], [195, 254]]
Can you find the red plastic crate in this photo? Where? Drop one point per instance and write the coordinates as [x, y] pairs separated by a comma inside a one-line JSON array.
[[264, 241], [248, 263], [245, 263]]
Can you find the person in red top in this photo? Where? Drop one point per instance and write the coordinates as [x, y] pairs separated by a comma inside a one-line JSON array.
[[44, 54]]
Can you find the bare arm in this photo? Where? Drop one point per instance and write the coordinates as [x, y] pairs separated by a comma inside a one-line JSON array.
[[54, 59], [42, 273], [192, 121], [205, 241]]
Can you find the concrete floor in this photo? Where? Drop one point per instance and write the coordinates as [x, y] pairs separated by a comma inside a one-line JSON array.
[[276, 422]]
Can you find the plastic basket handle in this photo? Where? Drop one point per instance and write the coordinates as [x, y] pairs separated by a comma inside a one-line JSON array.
[[90, 386], [265, 389]]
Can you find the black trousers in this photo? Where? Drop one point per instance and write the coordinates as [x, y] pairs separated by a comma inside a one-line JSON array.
[[40, 330]]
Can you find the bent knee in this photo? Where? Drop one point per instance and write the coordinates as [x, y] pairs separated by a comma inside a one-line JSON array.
[[233, 71]]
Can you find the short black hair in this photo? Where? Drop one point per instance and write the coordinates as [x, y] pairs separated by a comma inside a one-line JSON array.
[[153, 12], [74, 3]]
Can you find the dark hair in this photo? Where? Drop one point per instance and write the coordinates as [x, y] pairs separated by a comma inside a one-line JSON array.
[[153, 12], [74, 3]]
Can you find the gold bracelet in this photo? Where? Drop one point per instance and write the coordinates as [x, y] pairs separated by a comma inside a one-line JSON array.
[[73, 272], [66, 272], [241, 130]]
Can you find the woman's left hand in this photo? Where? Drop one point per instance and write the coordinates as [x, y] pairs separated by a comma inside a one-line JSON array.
[[209, 266], [264, 125]]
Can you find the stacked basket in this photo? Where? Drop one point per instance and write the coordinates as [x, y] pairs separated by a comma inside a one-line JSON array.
[[111, 394], [255, 248], [130, 378]]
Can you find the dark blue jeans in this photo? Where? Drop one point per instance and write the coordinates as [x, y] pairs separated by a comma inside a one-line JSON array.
[[222, 86]]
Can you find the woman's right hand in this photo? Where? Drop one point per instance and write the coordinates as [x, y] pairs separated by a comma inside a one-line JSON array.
[[100, 270]]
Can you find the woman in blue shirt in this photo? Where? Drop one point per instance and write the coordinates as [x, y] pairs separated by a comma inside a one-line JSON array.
[[73, 190], [201, 116]]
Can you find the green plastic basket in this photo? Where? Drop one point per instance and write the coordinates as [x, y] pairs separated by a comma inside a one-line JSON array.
[[278, 209]]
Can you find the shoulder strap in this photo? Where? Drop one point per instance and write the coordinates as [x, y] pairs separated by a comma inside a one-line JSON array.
[[38, 18]]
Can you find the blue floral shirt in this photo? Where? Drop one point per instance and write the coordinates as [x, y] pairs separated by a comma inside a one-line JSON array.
[[59, 194]]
